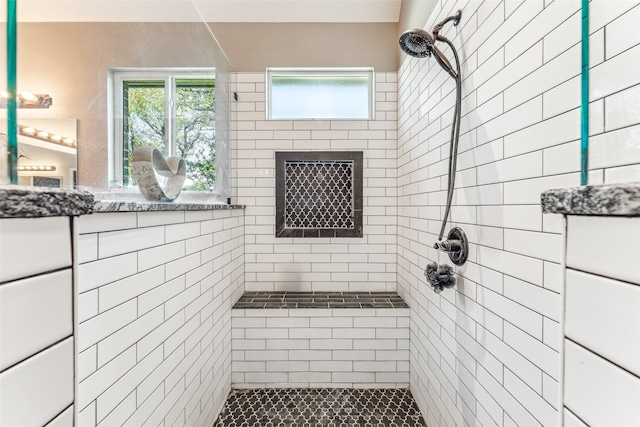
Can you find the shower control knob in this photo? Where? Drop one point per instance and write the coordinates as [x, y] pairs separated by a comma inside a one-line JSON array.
[[448, 245], [456, 246]]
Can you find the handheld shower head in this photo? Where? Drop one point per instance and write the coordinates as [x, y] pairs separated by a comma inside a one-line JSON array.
[[420, 44], [417, 43], [444, 62]]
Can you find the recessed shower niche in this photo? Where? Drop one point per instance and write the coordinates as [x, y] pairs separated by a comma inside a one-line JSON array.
[[319, 194]]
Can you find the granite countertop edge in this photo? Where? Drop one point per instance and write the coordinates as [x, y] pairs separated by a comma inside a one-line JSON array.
[[137, 206], [17, 201], [595, 200]]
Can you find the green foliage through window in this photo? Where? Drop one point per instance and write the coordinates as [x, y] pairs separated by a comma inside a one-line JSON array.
[[177, 116]]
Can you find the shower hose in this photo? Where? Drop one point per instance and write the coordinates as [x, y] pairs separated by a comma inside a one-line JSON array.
[[455, 135]]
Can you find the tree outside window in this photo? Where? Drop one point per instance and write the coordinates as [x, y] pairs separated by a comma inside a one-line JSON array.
[[175, 115]]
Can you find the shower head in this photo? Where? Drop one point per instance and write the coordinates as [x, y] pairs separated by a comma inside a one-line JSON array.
[[419, 44]]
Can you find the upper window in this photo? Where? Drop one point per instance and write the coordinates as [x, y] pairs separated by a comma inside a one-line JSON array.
[[174, 113], [319, 93]]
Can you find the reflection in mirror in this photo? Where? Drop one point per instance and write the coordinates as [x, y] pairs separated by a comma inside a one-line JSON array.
[[47, 152], [81, 60]]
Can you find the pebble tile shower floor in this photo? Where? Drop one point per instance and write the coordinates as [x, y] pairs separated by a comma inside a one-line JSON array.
[[316, 407]]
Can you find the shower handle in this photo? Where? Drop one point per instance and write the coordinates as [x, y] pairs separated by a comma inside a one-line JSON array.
[[456, 246], [448, 245]]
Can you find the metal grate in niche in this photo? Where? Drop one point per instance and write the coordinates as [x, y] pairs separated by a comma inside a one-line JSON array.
[[319, 194]]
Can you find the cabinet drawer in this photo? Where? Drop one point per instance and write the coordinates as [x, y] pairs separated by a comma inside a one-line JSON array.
[[570, 420], [65, 419], [38, 389], [34, 313], [603, 315], [599, 392], [31, 246], [589, 246]]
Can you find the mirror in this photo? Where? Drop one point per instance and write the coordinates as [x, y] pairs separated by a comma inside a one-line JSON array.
[[70, 53], [51, 160]]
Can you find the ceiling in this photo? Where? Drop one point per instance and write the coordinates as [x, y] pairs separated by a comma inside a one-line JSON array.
[[335, 11]]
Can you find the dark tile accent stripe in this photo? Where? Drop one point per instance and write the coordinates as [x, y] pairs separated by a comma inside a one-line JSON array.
[[276, 299], [389, 407]]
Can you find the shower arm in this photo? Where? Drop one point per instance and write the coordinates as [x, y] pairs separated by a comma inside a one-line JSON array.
[[436, 36], [455, 18]]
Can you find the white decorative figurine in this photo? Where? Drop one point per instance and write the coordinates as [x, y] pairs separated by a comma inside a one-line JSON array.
[[147, 161]]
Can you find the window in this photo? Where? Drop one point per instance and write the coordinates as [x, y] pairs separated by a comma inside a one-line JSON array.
[[175, 113], [319, 94]]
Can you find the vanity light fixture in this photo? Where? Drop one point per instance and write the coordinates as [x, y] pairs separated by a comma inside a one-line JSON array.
[[27, 100], [36, 168], [43, 135]]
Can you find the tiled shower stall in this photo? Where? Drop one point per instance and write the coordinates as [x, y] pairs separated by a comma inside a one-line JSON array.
[[158, 341], [488, 352], [317, 264], [155, 291]]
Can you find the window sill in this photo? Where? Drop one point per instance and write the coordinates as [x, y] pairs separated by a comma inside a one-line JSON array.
[[123, 200]]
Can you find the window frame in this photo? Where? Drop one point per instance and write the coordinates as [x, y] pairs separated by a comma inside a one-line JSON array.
[[321, 72], [117, 77]]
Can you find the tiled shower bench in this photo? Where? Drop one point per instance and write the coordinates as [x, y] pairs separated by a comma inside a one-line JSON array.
[[320, 339]]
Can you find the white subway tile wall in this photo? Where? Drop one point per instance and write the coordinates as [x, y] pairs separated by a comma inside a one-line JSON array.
[[489, 352], [154, 336], [316, 264], [365, 347]]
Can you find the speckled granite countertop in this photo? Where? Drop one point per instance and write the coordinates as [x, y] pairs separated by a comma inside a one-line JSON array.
[[136, 206], [597, 200], [18, 201], [133, 201]]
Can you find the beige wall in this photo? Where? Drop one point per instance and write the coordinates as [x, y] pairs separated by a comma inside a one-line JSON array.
[[70, 62], [252, 47]]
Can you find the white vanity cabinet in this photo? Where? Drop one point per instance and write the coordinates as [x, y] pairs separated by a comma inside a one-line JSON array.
[[602, 322], [36, 306]]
